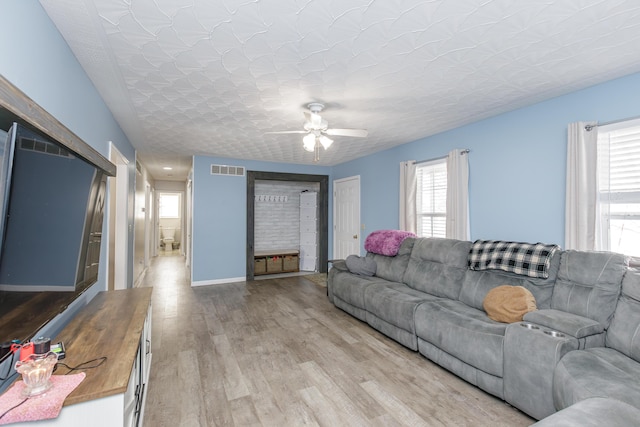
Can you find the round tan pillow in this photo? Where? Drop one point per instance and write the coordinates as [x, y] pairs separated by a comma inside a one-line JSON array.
[[508, 304]]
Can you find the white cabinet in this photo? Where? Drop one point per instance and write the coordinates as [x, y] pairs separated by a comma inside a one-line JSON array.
[[113, 394], [308, 231]]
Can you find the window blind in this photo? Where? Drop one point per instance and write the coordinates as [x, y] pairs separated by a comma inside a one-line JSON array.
[[431, 198], [619, 189]]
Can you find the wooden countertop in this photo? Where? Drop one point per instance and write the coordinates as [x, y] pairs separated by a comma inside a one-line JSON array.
[[111, 326]]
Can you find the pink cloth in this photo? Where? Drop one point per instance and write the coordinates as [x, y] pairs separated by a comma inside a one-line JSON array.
[[42, 407], [386, 242]]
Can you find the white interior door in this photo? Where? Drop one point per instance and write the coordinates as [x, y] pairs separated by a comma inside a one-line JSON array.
[[346, 217]]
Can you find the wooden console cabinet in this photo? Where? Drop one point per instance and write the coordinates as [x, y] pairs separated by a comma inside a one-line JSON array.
[[115, 325]]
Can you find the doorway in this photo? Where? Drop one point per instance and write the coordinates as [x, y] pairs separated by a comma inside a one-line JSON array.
[[323, 215], [170, 206]]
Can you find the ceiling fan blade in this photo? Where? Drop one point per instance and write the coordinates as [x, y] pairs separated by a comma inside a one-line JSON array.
[[358, 133], [288, 131]]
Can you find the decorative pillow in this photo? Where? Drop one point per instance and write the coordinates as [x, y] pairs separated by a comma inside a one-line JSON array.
[[508, 304], [386, 242], [363, 266]]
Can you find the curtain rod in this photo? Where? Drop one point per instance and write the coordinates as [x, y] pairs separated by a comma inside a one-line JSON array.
[[588, 128], [465, 151]]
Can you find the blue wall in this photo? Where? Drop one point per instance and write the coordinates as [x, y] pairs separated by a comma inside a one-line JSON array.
[[517, 159], [38, 61], [219, 216], [517, 164]]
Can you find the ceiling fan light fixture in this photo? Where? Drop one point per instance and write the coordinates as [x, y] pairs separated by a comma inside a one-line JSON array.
[[325, 141], [309, 142]]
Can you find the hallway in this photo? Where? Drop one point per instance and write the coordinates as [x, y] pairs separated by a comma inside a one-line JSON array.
[[277, 353]]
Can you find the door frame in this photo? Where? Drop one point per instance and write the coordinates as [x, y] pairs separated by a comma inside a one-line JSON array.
[[182, 194], [118, 268], [323, 213], [338, 181], [188, 220]]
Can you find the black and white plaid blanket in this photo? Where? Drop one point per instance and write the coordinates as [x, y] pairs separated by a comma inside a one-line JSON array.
[[528, 259]]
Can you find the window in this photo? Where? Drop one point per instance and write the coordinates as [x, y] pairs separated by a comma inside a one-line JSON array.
[[431, 198], [619, 188], [169, 206]]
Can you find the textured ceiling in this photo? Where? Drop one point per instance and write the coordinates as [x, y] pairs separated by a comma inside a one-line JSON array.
[[212, 77]]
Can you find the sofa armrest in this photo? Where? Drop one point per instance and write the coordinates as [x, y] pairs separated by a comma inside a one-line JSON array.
[[568, 323], [339, 264]]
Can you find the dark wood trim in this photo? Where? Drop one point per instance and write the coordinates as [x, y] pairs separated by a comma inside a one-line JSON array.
[[25, 111], [323, 210]]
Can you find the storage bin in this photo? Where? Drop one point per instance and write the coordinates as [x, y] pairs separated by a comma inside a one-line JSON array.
[[260, 266], [307, 251], [274, 264], [290, 263], [307, 239], [308, 199], [308, 227], [307, 214], [308, 264]]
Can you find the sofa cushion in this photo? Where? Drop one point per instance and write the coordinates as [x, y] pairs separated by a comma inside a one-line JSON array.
[[364, 266], [392, 268], [594, 412], [596, 372], [395, 303], [508, 304], [588, 284], [390, 310], [437, 266], [624, 331], [477, 284], [350, 287], [463, 332]]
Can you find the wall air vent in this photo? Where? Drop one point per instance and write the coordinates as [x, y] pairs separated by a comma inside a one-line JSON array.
[[44, 147], [227, 170]]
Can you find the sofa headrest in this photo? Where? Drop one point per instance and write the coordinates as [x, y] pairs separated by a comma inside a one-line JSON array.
[[623, 333], [589, 283], [631, 284]]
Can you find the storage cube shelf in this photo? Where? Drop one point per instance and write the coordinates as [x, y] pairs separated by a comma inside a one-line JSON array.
[[276, 261]]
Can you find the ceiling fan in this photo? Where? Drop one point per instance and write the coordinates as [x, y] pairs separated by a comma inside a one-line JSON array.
[[317, 131]]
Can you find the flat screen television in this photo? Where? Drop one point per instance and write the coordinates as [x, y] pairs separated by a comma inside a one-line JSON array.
[[51, 210]]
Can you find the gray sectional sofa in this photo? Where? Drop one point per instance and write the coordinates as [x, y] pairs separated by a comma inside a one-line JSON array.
[[581, 345]]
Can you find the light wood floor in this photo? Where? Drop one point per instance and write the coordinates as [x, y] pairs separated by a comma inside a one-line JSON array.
[[277, 353]]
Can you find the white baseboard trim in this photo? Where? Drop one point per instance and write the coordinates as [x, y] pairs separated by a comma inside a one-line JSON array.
[[218, 281], [138, 282]]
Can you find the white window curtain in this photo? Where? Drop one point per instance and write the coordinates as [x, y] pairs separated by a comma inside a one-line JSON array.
[[408, 187], [458, 195], [581, 187]]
